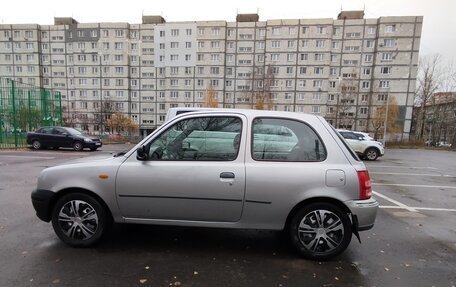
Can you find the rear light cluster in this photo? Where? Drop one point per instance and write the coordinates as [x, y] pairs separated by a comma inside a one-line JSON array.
[[365, 188]]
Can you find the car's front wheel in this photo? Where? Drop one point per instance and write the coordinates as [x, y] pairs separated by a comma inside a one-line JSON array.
[[320, 231], [79, 219], [77, 146], [371, 154]]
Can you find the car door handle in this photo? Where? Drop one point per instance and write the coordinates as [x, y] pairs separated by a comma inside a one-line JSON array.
[[228, 175]]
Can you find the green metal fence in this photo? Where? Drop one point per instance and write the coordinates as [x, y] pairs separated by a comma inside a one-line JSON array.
[[25, 108]]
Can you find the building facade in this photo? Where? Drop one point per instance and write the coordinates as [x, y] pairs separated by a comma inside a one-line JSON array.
[[342, 69]]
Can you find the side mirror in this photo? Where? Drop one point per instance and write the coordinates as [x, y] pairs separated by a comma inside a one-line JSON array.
[[141, 153], [360, 138]]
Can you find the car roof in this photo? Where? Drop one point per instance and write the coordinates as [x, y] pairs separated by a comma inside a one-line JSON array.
[[248, 113]]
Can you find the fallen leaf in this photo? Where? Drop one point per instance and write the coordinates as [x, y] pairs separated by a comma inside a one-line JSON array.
[[24, 252], [387, 269], [142, 281], [56, 281], [58, 260], [336, 278], [195, 272], [284, 276], [147, 267], [381, 251]]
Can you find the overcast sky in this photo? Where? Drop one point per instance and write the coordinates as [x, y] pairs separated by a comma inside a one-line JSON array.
[[438, 35]]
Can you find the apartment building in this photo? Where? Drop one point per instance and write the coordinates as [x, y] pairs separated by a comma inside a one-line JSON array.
[[342, 69]]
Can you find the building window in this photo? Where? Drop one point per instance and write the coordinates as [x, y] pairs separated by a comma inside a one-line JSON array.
[[275, 44], [275, 30], [384, 84], [390, 28], [388, 42], [370, 44], [174, 32], [365, 85], [363, 111], [366, 71], [368, 58], [320, 43], [370, 30], [275, 57], [316, 109], [387, 56], [385, 70], [318, 70]]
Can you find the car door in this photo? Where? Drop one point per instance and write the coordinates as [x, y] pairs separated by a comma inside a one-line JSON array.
[[45, 136], [59, 137], [194, 171]]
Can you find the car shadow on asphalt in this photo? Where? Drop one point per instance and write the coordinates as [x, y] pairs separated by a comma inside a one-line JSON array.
[[190, 240]]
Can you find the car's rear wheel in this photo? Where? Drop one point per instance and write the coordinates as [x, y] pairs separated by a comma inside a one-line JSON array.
[[320, 231], [36, 144], [79, 219], [77, 146], [371, 154]]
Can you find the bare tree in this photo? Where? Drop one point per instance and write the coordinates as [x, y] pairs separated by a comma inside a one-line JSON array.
[[348, 92], [429, 78]]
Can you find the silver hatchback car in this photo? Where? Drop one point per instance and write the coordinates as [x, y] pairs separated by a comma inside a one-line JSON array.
[[220, 168]]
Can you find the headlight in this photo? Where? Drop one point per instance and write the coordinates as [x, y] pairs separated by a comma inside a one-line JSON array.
[[87, 140]]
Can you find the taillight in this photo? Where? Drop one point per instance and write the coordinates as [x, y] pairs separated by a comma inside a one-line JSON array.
[[365, 188]]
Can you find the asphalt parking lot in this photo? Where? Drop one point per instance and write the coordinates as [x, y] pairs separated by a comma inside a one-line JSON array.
[[412, 244]]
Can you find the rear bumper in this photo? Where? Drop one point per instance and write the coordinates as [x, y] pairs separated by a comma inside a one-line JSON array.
[[365, 211], [41, 200]]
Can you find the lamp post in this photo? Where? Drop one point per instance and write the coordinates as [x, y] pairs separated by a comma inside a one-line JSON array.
[[385, 123]]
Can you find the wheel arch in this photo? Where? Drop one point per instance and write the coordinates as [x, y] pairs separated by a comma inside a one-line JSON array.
[[66, 191], [308, 201]]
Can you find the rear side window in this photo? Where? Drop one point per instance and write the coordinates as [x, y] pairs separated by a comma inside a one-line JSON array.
[[45, 131], [353, 154], [285, 140]]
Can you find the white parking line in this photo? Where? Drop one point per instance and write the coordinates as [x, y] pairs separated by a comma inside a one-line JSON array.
[[408, 167], [395, 202], [417, 208], [27, 156], [414, 185], [413, 174]]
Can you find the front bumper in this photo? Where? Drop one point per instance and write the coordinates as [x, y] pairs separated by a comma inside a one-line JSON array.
[[92, 144], [42, 200], [365, 211]]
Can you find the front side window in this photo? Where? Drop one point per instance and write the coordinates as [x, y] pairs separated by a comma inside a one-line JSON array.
[[285, 140], [199, 139]]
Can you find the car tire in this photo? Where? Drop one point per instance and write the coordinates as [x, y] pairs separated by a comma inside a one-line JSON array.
[[79, 220], [77, 146], [320, 231], [36, 144], [371, 154]]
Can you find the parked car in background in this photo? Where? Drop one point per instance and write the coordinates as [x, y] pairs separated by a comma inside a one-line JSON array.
[[365, 148], [57, 137], [221, 168], [443, 144]]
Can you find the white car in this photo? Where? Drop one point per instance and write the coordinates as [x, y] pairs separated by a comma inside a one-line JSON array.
[[363, 146]]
